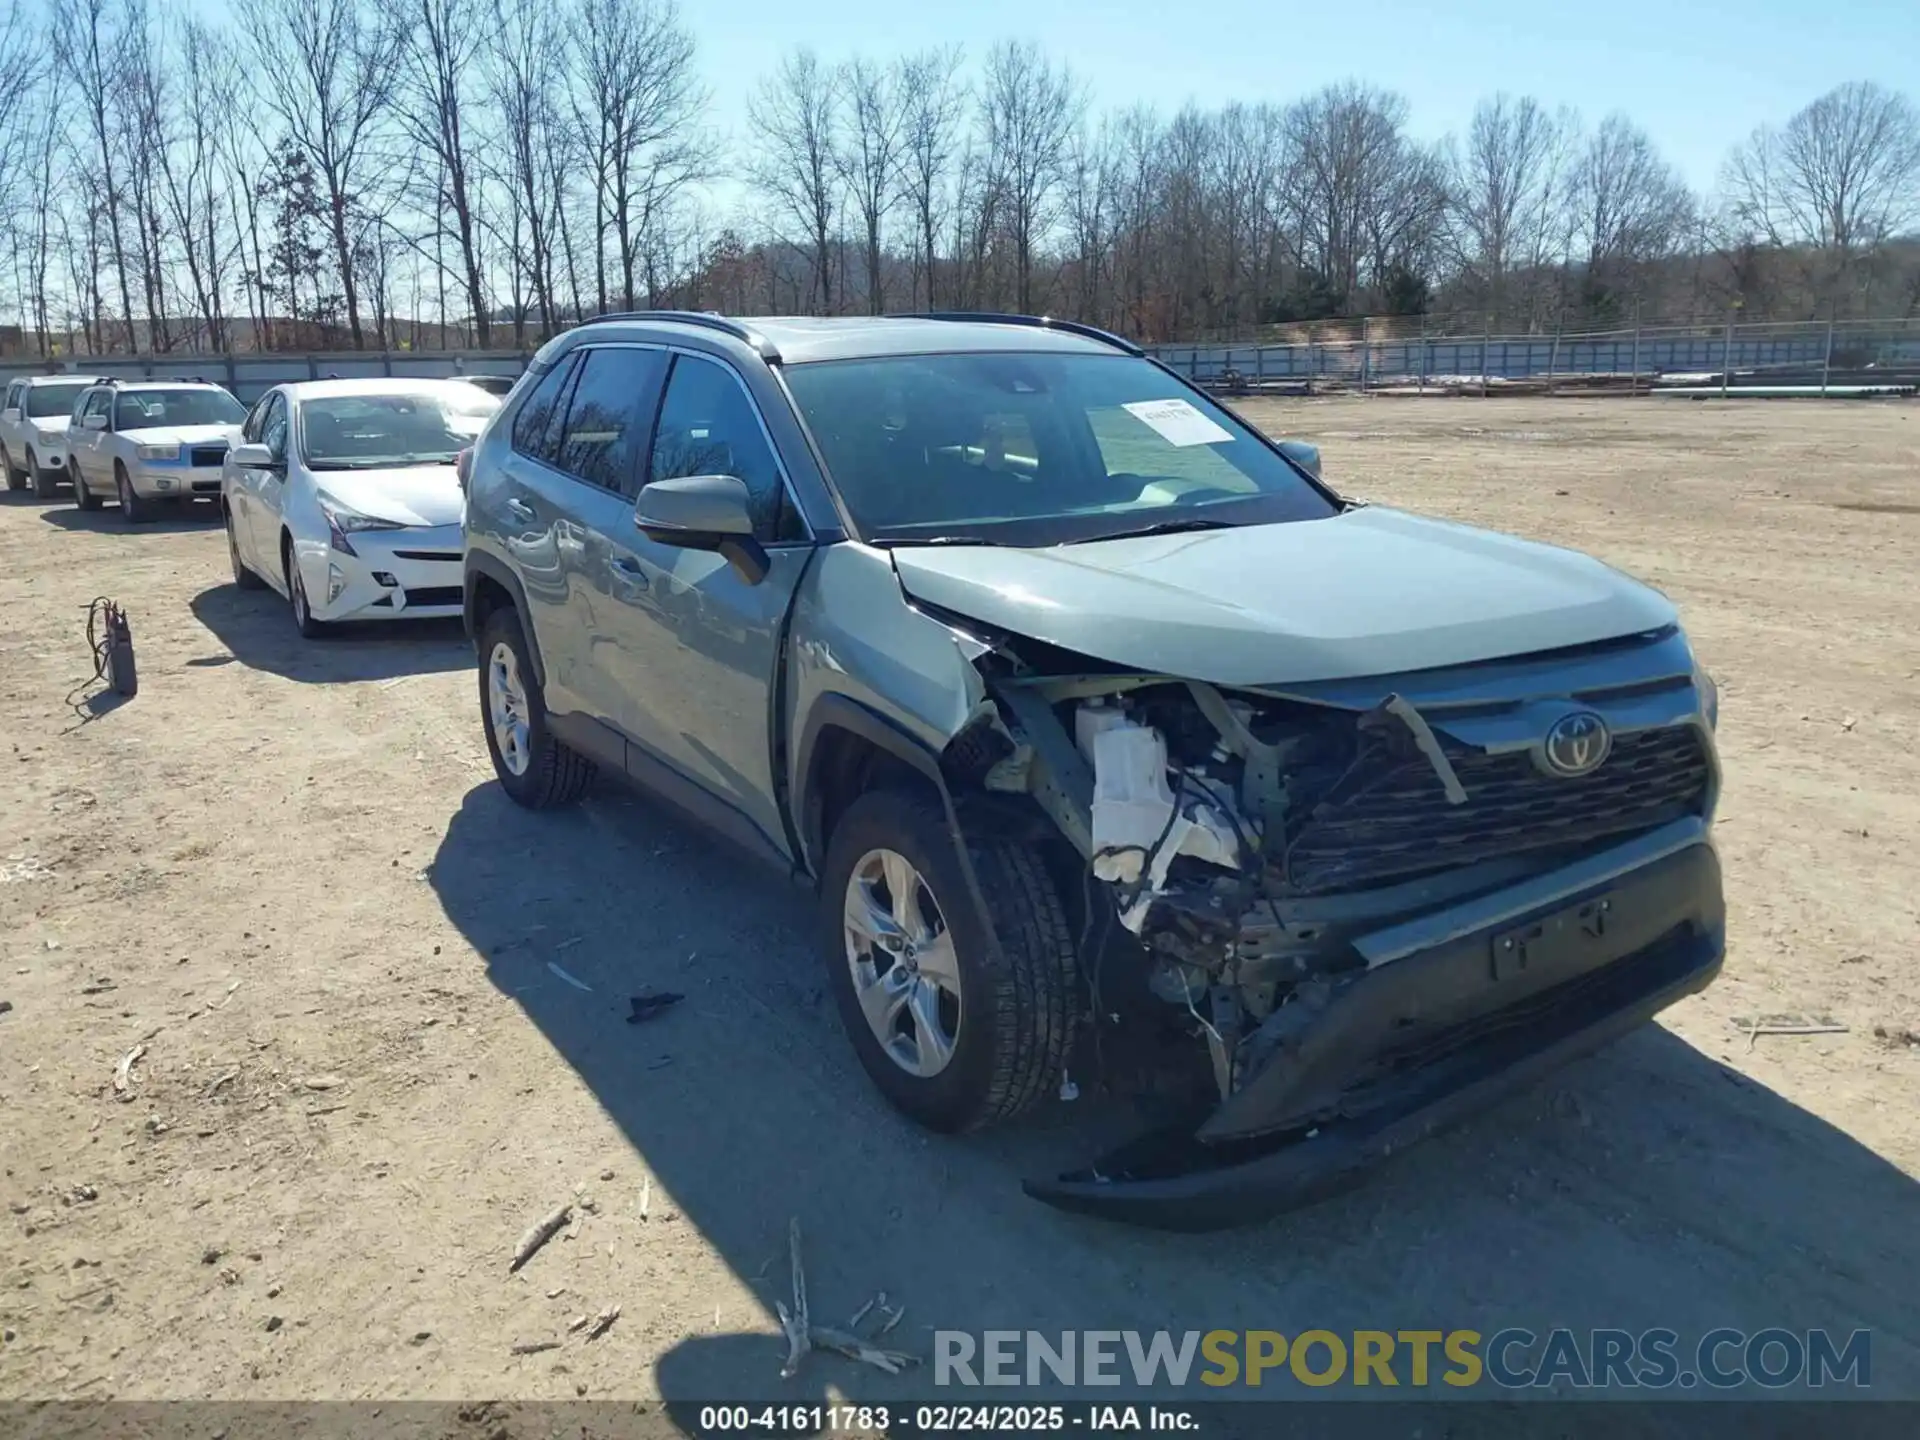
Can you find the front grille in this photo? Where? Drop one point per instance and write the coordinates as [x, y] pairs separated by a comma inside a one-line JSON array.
[[452, 555], [1402, 825], [434, 595], [207, 455]]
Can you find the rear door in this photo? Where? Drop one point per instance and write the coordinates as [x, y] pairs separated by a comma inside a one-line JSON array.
[[600, 446], [701, 647], [10, 419]]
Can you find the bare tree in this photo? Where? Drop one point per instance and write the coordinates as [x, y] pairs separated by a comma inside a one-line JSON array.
[[1349, 155], [869, 158], [1842, 174], [443, 43], [933, 103], [1506, 181], [191, 188], [794, 122], [524, 57], [87, 41], [1029, 109], [1628, 207], [328, 71]]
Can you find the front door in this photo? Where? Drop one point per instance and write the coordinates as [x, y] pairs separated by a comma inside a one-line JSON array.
[[703, 645], [260, 495]]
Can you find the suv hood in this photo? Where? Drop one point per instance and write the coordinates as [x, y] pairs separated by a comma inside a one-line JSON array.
[[406, 495], [184, 434], [1370, 591], [50, 424]]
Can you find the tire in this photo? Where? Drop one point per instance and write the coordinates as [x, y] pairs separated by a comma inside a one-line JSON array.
[[16, 477], [549, 773], [46, 484], [242, 576], [303, 621], [133, 508], [1017, 1010], [83, 497]]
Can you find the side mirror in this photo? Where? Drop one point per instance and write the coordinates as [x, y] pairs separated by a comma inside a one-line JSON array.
[[254, 456], [704, 512], [93, 422], [1306, 456]]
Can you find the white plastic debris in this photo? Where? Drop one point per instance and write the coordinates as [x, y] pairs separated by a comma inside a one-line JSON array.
[[1136, 831]]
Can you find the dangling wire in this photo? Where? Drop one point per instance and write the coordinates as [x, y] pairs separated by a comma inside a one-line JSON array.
[[105, 620]]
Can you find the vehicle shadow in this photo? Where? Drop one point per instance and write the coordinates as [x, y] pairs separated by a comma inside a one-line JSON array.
[[1646, 1186], [257, 629], [173, 519]]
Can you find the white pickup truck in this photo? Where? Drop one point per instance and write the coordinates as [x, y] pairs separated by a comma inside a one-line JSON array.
[[33, 430]]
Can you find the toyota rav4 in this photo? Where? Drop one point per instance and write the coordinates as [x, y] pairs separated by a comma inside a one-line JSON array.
[[1118, 748]]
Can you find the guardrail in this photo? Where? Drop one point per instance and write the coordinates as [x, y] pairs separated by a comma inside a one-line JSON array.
[[1818, 354], [1361, 355]]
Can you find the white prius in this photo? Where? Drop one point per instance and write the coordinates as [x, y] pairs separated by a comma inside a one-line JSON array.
[[342, 495]]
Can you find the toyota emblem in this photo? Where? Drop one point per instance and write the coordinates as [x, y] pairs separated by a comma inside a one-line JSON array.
[[1577, 744]]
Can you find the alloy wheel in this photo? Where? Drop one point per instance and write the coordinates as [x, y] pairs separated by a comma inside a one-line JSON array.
[[508, 710], [906, 973]]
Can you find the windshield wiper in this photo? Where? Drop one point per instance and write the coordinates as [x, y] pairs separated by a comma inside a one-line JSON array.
[[890, 541], [1159, 527]]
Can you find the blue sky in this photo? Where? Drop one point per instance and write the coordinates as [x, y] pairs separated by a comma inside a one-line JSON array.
[[1698, 74]]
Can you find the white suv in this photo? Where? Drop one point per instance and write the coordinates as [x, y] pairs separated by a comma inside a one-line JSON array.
[[147, 441], [33, 430]]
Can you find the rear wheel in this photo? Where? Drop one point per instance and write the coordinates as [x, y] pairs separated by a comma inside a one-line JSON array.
[[82, 496], [16, 477], [535, 768], [957, 1032], [134, 509]]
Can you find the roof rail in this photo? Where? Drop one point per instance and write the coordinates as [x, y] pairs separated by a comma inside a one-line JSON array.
[[708, 319], [1038, 322]]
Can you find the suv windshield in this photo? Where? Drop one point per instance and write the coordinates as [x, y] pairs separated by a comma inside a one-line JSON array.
[[1037, 449], [150, 409], [367, 432], [46, 401]]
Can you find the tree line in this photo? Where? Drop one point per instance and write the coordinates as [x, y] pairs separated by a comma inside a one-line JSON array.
[[486, 172]]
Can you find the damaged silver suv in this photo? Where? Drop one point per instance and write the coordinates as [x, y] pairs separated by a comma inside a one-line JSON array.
[[1119, 749]]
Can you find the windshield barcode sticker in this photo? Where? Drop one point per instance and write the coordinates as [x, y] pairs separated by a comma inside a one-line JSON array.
[[1177, 422]]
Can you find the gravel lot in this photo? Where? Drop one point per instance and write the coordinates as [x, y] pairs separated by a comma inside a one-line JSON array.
[[286, 871]]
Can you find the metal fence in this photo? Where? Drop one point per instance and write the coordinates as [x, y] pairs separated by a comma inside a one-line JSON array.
[[1352, 354], [1818, 353]]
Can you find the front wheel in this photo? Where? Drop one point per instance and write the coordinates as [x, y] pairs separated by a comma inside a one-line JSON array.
[[46, 484], [309, 628], [957, 1033], [242, 576], [535, 768], [134, 509]]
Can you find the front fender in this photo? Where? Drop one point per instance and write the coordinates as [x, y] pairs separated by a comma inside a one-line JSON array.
[[865, 660]]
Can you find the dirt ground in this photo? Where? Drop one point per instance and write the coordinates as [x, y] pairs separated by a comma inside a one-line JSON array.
[[285, 871]]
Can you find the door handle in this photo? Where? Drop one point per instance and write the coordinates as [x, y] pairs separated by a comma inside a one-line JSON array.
[[630, 573], [520, 510]]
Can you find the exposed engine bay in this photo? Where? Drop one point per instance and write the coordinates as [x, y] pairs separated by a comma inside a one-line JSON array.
[[1244, 850]]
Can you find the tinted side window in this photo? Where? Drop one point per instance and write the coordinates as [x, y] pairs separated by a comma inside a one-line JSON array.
[[535, 428], [13, 394], [708, 426], [250, 432], [97, 402], [273, 428], [608, 414]]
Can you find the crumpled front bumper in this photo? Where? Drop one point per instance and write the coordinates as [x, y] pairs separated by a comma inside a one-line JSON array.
[[1422, 1041]]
